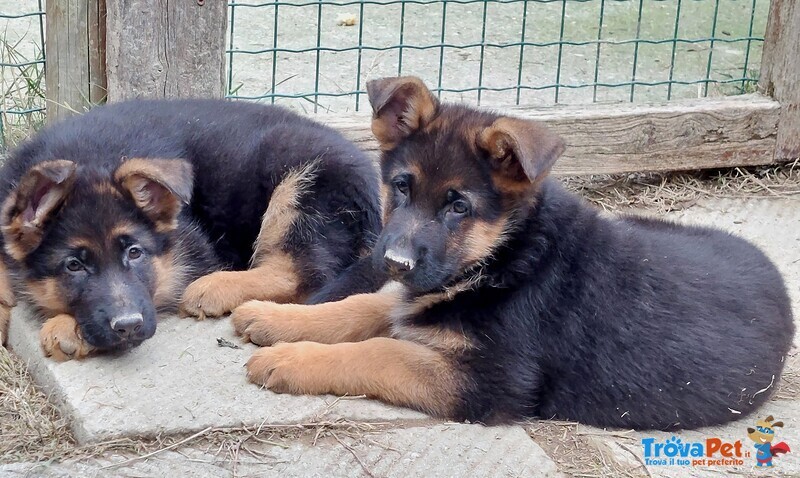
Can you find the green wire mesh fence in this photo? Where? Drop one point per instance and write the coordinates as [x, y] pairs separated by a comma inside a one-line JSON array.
[[21, 67], [317, 54]]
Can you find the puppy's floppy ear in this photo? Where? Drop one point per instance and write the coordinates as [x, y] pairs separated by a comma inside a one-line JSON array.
[[400, 106], [522, 151], [159, 187], [751, 430], [778, 424], [37, 196]]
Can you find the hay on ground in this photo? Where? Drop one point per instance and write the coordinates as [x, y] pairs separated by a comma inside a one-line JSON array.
[[675, 191]]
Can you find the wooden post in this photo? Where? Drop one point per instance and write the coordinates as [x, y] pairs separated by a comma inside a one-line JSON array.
[[75, 56], [780, 73], [166, 48]]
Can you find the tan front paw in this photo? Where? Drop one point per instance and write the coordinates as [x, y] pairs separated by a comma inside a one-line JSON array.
[[263, 323], [288, 368], [61, 339], [213, 295]]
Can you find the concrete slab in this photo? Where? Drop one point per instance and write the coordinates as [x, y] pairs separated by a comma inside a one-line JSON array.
[[445, 450], [180, 381]]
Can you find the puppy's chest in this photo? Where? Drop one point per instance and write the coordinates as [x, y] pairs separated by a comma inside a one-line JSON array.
[[414, 321]]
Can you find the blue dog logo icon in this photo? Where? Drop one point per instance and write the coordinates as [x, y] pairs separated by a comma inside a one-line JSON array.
[[763, 435]]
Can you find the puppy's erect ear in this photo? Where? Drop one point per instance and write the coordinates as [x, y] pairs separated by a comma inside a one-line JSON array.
[[521, 151], [778, 424], [26, 210], [159, 187], [769, 418], [400, 106]]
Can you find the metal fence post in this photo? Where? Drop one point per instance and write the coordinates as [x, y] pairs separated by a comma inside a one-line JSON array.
[[780, 73], [173, 49]]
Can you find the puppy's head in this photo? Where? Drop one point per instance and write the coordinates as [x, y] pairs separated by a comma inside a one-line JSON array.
[[454, 181], [95, 246]]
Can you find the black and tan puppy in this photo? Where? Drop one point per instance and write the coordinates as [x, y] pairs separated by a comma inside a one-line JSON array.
[[512, 298], [106, 218]]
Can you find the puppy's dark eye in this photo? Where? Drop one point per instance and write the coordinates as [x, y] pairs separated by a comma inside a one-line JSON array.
[[134, 252], [401, 184], [460, 206], [73, 264]]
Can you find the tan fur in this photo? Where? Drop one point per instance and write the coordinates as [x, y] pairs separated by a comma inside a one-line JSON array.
[[353, 319], [105, 188], [400, 106], [23, 234], [83, 243], [395, 371], [61, 339], [282, 211], [482, 239], [446, 341], [111, 238], [46, 295], [522, 152], [386, 202], [172, 176], [418, 304], [170, 278], [121, 229], [273, 275], [7, 301], [6, 290], [216, 294], [5, 318]]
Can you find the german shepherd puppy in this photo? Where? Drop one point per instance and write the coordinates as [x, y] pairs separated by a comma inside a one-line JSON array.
[[107, 217], [512, 298]]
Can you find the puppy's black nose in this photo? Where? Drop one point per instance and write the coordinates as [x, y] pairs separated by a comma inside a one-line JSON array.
[[127, 326], [399, 262]]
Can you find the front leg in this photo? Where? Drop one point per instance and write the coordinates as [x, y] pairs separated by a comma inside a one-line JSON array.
[[61, 339], [353, 319], [218, 293], [394, 371]]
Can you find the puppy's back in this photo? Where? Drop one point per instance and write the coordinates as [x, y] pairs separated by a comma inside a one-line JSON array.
[[679, 315]]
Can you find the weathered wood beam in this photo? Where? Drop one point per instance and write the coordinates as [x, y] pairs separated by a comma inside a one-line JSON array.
[[75, 56], [166, 48], [619, 138]]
